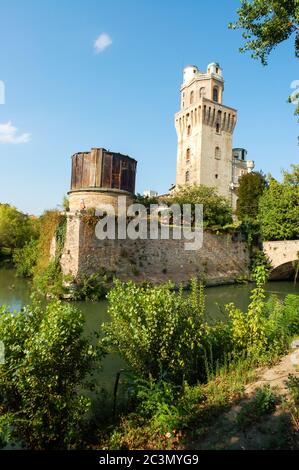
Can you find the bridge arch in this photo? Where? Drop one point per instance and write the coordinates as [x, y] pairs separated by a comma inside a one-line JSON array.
[[284, 257]]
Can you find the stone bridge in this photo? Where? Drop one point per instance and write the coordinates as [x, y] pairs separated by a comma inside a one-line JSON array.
[[284, 256]]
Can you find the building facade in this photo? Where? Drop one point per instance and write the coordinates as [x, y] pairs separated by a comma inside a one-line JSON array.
[[205, 127]]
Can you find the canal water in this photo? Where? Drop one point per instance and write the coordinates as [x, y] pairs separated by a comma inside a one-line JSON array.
[[15, 293]]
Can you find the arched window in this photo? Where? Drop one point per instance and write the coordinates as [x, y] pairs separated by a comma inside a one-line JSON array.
[[189, 130], [217, 153], [191, 97], [187, 177], [202, 92], [215, 93], [188, 155], [217, 127]]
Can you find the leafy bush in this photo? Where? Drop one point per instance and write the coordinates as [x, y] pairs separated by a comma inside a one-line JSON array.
[[162, 333], [146, 201], [264, 402], [50, 281], [217, 211], [156, 329], [266, 326], [93, 287], [26, 258], [47, 362], [279, 208], [292, 401], [16, 228]]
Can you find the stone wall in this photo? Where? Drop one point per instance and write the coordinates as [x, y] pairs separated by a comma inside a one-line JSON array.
[[222, 259]]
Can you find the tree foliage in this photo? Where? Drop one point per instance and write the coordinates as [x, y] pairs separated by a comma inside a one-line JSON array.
[[16, 228], [266, 23], [217, 211], [47, 362], [279, 208], [251, 187]]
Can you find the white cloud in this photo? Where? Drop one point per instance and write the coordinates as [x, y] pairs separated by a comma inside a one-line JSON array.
[[9, 135], [102, 42]]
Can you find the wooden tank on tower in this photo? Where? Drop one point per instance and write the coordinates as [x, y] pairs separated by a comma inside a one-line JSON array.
[[99, 177]]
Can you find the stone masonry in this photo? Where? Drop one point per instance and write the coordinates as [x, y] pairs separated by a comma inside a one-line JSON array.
[[222, 259]]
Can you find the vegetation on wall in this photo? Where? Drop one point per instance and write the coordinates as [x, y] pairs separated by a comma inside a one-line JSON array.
[[49, 222], [92, 287]]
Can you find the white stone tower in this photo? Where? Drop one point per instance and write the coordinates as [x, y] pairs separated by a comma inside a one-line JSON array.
[[204, 129]]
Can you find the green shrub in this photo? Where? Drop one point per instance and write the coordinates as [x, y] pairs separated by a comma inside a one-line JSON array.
[[25, 258], [279, 208], [161, 333], [50, 281], [47, 363], [217, 211], [155, 329], [264, 402], [16, 228], [93, 287]]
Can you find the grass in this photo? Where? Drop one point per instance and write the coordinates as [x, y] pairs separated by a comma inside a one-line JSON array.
[[196, 415], [264, 402]]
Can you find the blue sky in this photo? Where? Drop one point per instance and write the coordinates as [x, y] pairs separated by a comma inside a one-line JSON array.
[[63, 97]]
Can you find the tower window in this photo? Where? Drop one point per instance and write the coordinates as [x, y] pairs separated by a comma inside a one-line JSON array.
[[217, 69], [217, 127], [187, 177], [216, 176], [191, 97], [202, 91], [188, 155], [217, 153], [189, 130], [215, 93]]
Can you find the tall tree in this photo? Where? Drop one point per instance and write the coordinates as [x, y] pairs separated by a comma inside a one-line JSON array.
[[251, 187]]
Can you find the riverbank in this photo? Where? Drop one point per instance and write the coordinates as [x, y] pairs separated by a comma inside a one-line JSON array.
[[242, 407], [265, 417]]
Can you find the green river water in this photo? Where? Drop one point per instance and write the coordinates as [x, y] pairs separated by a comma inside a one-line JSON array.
[[15, 293]]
